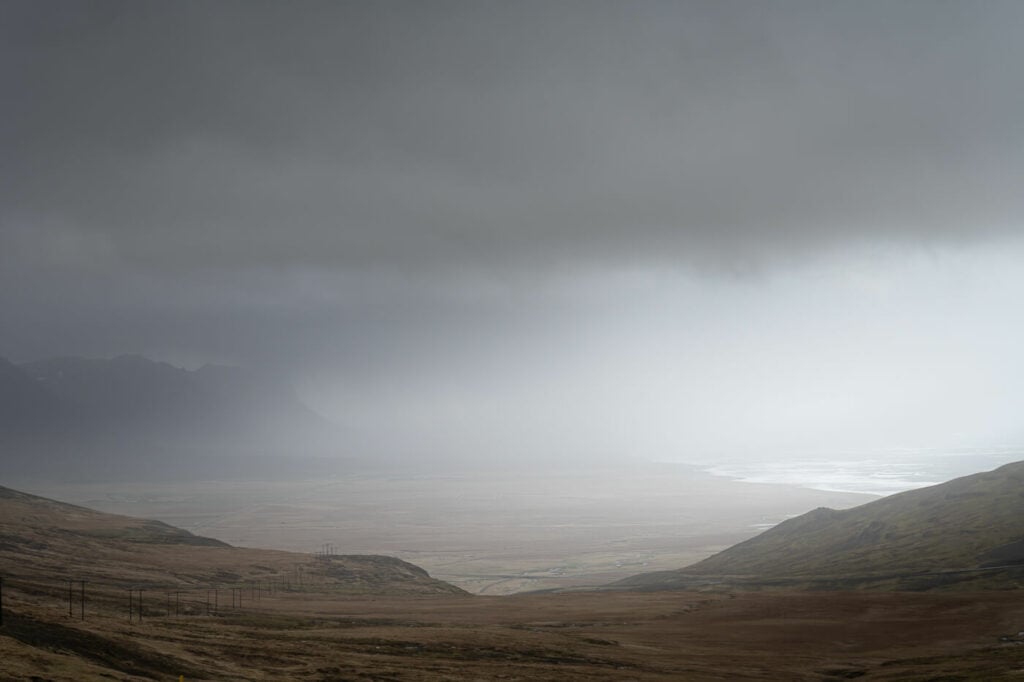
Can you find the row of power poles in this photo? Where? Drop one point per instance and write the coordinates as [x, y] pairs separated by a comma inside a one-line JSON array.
[[76, 596]]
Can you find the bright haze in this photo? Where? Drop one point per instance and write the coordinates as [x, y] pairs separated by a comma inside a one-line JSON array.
[[557, 230]]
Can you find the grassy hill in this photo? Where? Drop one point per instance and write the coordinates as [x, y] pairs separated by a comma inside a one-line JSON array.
[[28, 521], [43, 540], [970, 529]]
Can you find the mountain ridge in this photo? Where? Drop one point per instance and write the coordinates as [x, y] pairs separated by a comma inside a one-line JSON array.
[[132, 416]]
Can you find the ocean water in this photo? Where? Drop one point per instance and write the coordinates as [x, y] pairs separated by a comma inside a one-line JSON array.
[[875, 473]]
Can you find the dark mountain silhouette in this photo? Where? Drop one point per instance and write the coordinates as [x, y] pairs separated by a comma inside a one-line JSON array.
[[32, 417], [24, 404], [968, 530], [136, 417], [155, 398]]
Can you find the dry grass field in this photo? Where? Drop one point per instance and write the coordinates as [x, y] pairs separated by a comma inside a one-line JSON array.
[[582, 635]]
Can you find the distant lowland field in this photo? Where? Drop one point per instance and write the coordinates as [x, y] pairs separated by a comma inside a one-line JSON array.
[[486, 532]]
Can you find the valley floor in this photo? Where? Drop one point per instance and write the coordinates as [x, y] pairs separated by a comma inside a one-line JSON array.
[[486, 532]]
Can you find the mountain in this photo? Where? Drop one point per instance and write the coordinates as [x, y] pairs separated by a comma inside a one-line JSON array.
[[25, 405], [967, 531], [133, 417], [158, 399]]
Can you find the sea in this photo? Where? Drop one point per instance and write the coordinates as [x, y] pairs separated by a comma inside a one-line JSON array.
[[878, 472]]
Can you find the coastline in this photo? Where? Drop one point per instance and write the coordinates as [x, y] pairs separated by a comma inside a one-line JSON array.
[[875, 473]]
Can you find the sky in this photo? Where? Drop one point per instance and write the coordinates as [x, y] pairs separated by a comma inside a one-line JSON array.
[[547, 229]]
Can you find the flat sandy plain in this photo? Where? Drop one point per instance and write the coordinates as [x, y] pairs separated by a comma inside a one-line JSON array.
[[487, 532]]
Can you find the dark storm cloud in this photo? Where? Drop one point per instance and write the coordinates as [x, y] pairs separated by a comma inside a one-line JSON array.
[[444, 134], [504, 225]]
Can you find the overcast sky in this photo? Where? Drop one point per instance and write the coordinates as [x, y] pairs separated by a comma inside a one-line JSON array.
[[673, 229]]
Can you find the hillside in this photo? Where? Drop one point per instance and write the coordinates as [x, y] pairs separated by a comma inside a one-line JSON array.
[[49, 541], [968, 530], [28, 522]]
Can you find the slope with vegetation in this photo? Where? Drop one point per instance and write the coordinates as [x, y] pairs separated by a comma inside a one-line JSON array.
[[969, 530], [46, 542]]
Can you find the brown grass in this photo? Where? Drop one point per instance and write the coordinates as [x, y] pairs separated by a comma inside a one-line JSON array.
[[583, 635]]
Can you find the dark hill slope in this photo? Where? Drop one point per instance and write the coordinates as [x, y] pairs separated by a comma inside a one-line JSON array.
[[970, 523], [25, 518], [43, 541]]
